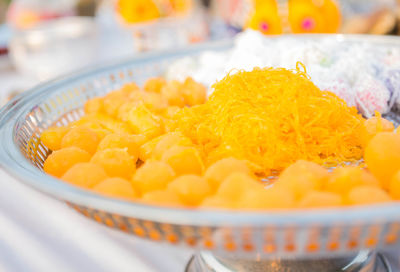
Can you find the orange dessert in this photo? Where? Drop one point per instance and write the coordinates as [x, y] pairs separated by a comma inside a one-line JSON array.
[[167, 144]]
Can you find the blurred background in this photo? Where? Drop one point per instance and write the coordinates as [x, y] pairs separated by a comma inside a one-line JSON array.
[[42, 39]]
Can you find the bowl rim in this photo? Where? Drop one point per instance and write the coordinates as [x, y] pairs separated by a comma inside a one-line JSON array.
[[13, 162]]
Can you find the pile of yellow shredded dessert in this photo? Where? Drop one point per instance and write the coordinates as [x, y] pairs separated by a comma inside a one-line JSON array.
[[272, 118]]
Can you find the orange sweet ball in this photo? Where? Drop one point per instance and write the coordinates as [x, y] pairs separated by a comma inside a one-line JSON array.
[[143, 121], [139, 139], [152, 176], [94, 105], [194, 93], [394, 186], [94, 126], [373, 126], [170, 125], [58, 162], [172, 92], [317, 199], [154, 84], [343, 179], [265, 199], [101, 133], [116, 187], [86, 119], [52, 137], [170, 111], [236, 185], [217, 172], [191, 189], [112, 124], [117, 140], [117, 162], [382, 156], [164, 198], [146, 149], [184, 160], [155, 102], [85, 174], [363, 195], [124, 109], [167, 116], [82, 137], [302, 177], [130, 89], [113, 100], [167, 141], [89, 121]]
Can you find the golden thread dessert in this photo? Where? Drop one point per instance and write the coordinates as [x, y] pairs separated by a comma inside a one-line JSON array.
[[272, 118]]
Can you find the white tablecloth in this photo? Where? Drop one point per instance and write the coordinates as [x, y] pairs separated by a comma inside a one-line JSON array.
[[39, 233]]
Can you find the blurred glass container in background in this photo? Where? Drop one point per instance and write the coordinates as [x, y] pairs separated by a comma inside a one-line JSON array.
[[54, 47], [154, 29], [170, 32], [59, 45]]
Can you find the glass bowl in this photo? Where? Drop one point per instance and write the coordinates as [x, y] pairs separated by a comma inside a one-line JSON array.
[[324, 234], [55, 47]]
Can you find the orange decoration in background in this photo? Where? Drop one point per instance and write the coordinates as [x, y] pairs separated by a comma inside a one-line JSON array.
[[314, 16], [265, 18], [332, 14], [134, 11], [304, 16]]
